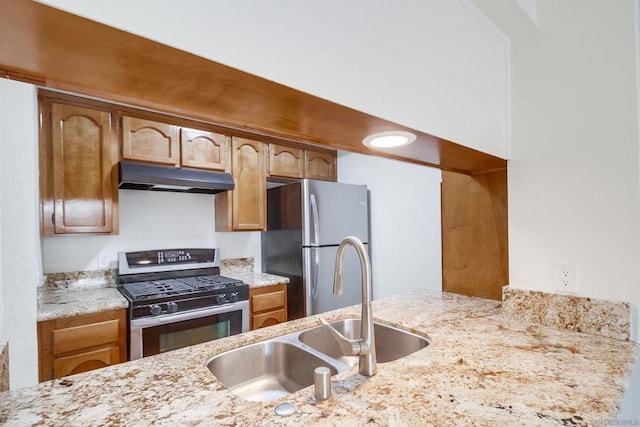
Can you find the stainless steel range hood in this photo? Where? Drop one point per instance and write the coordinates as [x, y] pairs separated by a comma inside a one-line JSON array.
[[141, 176]]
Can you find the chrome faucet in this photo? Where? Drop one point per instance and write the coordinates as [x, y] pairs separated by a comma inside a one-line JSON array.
[[364, 347]]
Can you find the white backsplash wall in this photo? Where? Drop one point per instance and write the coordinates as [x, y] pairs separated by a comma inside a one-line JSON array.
[[405, 236], [149, 220]]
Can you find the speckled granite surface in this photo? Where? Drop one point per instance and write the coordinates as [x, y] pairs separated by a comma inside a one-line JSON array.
[[236, 265], [242, 269], [576, 313], [79, 280], [480, 369], [59, 304], [4, 366]]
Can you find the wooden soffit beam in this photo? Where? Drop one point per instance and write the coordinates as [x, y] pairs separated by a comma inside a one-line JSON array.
[[56, 49]]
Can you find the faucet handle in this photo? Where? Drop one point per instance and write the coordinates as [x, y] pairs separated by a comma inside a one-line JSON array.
[[348, 346]]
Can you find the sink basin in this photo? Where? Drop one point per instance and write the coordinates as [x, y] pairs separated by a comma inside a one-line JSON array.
[[266, 370], [391, 343], [279, 366]]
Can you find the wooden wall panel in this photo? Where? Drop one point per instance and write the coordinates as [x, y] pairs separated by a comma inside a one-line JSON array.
[[475, 257]]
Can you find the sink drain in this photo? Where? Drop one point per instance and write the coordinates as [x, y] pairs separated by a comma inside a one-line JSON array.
[[285, 409]]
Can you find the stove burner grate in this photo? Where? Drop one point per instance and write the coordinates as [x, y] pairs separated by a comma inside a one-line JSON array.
[[179, 286]]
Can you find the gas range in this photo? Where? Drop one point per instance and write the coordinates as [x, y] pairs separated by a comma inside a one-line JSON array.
[[162, 282], [178, 298]]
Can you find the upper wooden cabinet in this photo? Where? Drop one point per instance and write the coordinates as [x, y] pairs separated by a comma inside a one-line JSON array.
[[294, 162], [244, 208], [78, 170], [320, 165], [150, 141], [286, 162], [204, 150]]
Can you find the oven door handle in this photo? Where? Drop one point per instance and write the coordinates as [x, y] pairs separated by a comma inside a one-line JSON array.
[[148, 322]]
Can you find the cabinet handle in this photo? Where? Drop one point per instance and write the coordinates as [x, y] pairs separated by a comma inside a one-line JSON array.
[[53, 218]]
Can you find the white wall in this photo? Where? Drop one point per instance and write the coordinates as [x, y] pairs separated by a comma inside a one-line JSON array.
[[20, 268], [574, 171], [405, 221], [431, 65], [150, 220]]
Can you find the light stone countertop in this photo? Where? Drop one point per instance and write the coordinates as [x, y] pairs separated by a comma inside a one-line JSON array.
[[257, 280], [56, 304], [78, 293], [480, 369]]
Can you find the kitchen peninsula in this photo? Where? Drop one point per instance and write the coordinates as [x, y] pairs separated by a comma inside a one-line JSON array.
[[480, 368]]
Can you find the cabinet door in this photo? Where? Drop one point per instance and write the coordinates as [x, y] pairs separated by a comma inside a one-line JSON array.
[[320, 165], [87, 361], [83, 170], [287, 162], [204, 150], [77, 344], [246, 204], [269, 318], [150, 141]]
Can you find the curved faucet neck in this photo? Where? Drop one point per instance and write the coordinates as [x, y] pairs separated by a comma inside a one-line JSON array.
[[366, 344]]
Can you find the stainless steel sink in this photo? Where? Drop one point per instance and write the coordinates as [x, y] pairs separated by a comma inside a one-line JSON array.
[[391, 343], [279, 366], [266, 370]]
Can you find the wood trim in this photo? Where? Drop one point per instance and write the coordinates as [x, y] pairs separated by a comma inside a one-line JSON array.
[[475, 257], [39, 43]]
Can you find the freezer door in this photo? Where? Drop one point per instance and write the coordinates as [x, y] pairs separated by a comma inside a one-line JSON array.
[[333, 211], [319, 267]]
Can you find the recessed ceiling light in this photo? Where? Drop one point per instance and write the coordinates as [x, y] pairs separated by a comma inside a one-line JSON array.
[[389, 139]]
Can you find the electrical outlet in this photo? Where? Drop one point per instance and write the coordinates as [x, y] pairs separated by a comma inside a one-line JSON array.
[[104, 260], [565, 278]]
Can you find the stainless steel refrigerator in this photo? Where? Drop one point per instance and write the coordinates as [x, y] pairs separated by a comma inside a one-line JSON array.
[[306, 221]]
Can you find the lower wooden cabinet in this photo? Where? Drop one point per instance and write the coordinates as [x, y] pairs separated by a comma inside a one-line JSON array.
[[78, 344], [268, 305]]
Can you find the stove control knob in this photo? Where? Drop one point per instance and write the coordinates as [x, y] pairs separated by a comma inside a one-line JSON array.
[[172, 307], [233, 297], [221, 299], [155, 309]]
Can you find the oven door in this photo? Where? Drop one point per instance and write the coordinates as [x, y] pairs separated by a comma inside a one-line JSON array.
[[154, 335]]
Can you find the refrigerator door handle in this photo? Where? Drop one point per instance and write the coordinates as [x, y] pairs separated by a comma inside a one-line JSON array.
[[314, 215], [314, 272]]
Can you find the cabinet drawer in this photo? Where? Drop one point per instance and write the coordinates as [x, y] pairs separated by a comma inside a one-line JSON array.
[[268, 319], [84, 362], [85, 336], [268, 301]]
